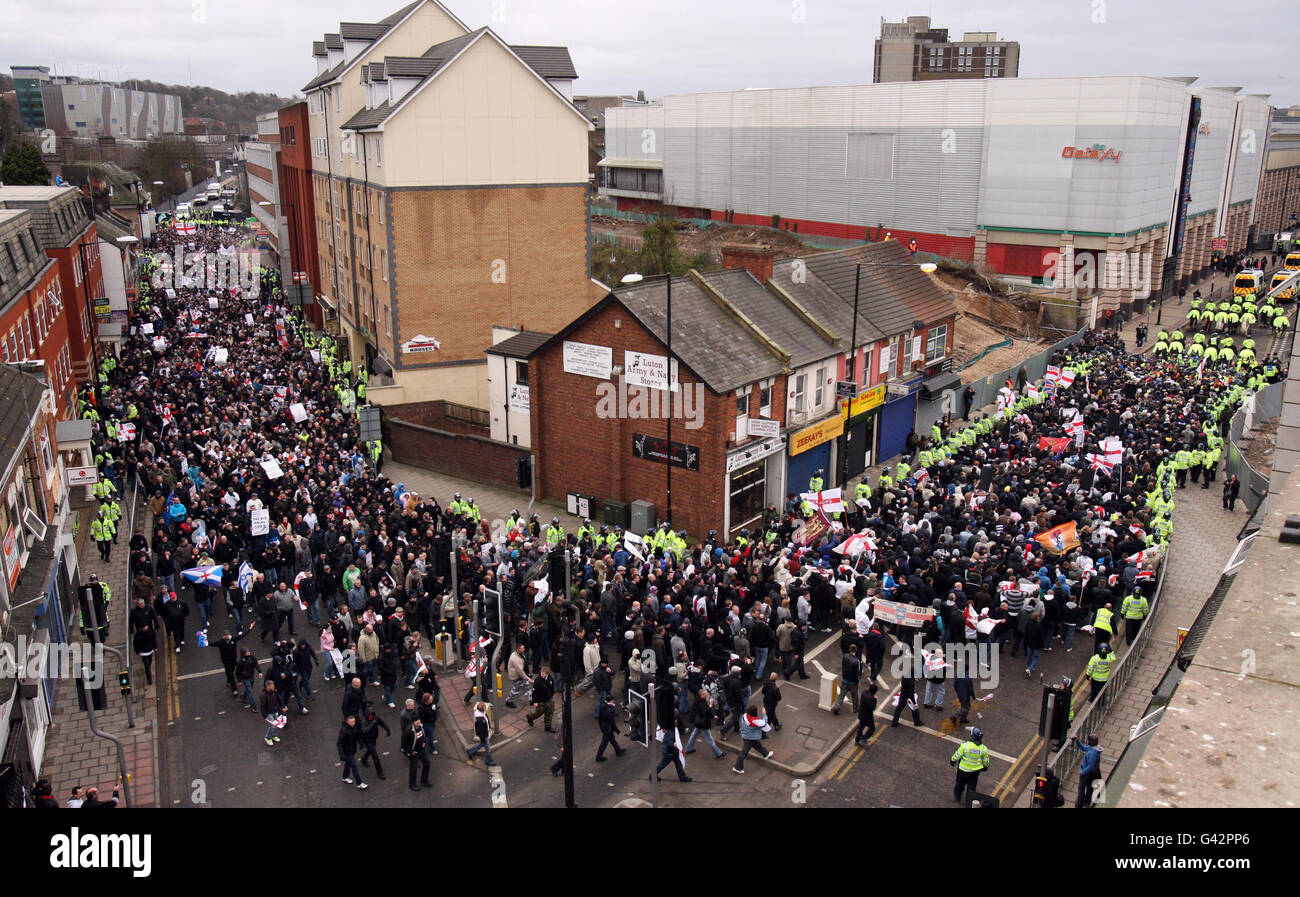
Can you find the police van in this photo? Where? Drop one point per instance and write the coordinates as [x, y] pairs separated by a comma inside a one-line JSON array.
[[1280, 277], [1292, 262], [1249, 280]]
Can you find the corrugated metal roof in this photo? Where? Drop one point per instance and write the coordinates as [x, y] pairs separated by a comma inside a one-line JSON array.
[[20, 395], [705, 338], [521, 345], [361, 30], [893, 292], [549, 62]]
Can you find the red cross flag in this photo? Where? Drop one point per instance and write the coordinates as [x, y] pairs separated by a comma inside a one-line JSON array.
[[1065, 379], [856, 544], [829, 501]]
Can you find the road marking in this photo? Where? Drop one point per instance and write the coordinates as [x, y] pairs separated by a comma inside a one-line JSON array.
[[1014, 772], [215, 672]]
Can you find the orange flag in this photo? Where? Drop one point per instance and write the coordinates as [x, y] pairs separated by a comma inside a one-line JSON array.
[[1059, 539]]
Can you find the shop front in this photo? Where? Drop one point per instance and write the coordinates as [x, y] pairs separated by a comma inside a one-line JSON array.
[[811, 450], [858, 442], [754, 481]]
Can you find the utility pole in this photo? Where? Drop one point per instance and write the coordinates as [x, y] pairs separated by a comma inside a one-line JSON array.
[[122, 771]]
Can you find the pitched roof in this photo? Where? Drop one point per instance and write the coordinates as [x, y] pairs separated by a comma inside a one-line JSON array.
[[334, 42], [367, 118], [318, 48], [401, 14], [549, 62], [774, 318], [546, 62], [361, 30], [893, 291], [20, 394], [791, 276], [700, 331], [521, 345]]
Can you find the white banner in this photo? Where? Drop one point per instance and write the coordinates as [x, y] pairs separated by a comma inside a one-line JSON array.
[[760, 426], [588, 360], [272, 468], [298, 411], [259, 522]]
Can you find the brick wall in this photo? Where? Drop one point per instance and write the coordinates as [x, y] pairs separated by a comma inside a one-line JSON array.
[[465, 260], [580, 451], [475, 458], [1279, 196], [434, 414]]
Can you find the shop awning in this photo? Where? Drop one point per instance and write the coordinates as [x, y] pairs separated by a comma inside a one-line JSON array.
[[940, 383]]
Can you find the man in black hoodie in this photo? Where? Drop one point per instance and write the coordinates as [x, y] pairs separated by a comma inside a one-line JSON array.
[[415, 746]]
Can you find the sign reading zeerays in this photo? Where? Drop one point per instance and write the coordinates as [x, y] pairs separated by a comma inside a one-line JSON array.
[[651, 448]]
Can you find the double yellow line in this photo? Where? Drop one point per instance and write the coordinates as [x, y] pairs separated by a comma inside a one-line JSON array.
[[1031, 750], [173, 705], [841, 772]]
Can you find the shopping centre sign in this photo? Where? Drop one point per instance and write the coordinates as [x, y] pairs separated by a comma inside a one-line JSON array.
[[1096, 151]]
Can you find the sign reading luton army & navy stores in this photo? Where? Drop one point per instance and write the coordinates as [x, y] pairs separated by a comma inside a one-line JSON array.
[[652, 449]]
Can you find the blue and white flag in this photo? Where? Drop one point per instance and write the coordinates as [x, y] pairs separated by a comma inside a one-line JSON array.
[[246, 576]]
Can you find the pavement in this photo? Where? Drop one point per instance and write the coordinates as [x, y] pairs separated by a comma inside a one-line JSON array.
[[73, 754]]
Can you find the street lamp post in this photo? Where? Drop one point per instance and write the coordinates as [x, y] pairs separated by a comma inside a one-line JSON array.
[[850, 367], [630, 279]]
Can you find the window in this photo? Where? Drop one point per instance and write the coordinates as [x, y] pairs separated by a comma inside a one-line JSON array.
[[521, 373], [383, 261], [887, 355], [9, 251], [799, 382], [869, 156], [936, 343], [22, 245], [742, 404], [909, 347], [765, 401], [47, 456], [820, 393]]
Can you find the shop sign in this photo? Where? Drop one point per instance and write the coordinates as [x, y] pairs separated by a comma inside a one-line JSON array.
[[519, 398], [761, 426], [1097, 151], [755, 452], [872, 398], [650, 448], [816, 434], [420, 343], [82, 476], [11, 556]]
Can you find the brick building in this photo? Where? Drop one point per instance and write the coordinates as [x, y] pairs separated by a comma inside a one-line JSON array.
[[1279, 183], [70, 237], [298, 207], [449, 185], [759, 346]]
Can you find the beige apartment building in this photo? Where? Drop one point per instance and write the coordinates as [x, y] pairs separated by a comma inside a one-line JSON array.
[[450, 192]]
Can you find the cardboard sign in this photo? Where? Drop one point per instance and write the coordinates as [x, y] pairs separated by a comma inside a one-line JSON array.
[[298, 411], [315, 356], [146, 328], [272, 468], [213, 304], [259, 521], [248, 319]]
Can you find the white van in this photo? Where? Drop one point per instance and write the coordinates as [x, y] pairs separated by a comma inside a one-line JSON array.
[[183, 210]]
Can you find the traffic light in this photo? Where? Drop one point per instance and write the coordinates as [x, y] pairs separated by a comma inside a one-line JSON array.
[[124, 681]]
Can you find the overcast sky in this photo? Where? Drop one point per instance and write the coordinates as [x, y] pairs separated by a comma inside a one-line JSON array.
[[665, 46]]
